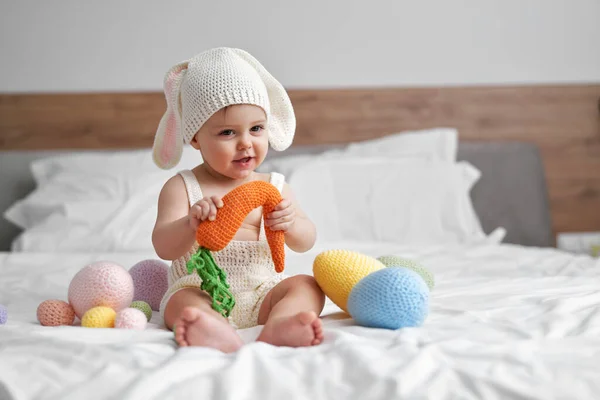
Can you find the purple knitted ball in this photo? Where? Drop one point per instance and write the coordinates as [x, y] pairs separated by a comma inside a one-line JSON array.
[[150, 280], [3, 314]]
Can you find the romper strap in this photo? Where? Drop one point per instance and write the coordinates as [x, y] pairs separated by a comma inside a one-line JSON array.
[[276, 180], [192, 186]]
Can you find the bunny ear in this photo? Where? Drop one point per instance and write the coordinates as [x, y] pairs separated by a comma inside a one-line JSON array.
[[168, 142], [282, 121]]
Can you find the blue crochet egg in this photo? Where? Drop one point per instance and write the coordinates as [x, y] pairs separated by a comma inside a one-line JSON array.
[[390, 298]]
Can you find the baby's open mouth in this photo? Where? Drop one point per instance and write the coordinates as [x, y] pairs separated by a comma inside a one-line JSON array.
[[243, 160]]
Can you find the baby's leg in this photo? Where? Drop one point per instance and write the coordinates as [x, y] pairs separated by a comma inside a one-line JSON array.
[[197, 324], [290, 313]]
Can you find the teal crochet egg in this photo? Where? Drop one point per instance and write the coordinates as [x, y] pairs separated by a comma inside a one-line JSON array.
[[143, 307], [390, 298], [395, 261]]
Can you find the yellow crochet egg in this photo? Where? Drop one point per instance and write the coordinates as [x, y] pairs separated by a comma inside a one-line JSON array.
[[337, 271], [99, 317]]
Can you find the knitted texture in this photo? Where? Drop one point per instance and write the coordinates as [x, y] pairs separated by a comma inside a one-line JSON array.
[[391, 298], [395, 261], [248, 265], [102, 283], [237, 204], [197, 88], [130, 318], [143, 307], [150, 281], [55, 313], [3, 314], [337, 271], [99, 317]]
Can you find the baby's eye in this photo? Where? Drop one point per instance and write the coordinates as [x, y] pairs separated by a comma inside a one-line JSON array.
[[227, 132], [257, 128]]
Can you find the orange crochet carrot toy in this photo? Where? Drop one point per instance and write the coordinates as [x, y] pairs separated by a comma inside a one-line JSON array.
[[215, 235], [237, 204]]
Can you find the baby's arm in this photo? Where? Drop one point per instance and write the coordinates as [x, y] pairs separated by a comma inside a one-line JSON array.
[[176, 223], [300, 232], [173, 236]]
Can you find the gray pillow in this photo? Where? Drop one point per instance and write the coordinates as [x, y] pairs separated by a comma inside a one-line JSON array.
[[512, 191]]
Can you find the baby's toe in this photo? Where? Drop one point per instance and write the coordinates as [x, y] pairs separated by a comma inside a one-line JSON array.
[[190, 314], [317, 326], [306, 317], [317, 340], [180, 329]]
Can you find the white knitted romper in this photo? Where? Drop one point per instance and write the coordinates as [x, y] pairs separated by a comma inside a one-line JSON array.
[[248, 265]]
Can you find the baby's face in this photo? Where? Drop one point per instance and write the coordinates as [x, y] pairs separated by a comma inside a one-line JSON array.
[[234, 141]]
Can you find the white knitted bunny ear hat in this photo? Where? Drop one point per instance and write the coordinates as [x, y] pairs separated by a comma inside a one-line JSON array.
[[197, 88]]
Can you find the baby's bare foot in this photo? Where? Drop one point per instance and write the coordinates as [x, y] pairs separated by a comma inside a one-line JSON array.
[[303, 329], [198, 328]]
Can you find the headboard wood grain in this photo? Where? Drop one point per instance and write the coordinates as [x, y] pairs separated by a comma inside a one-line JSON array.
[[563, 120]]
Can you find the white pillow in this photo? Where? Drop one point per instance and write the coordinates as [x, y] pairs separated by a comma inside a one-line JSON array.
[[63, 192], [106, 162], [439, 144], [90, 177], [91, 201], [400, 201], [119, 224]]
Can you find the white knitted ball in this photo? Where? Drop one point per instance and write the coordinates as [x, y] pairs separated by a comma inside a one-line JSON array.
[[131, 318], [102, 283]]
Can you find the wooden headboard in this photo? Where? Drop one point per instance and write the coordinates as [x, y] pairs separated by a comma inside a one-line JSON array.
[[564, 121]]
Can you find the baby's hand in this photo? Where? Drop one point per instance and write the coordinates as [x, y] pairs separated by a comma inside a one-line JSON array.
[[283, 216], [203, 210]]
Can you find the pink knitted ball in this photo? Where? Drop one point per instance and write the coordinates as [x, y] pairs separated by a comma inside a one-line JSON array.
[[102, 283], [131, 318], [55, 313], [150, 279]]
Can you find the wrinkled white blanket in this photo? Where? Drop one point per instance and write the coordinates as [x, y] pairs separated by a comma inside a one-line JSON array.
[[505, 322]]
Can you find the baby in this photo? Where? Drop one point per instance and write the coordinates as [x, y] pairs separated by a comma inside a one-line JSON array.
[[226, 105]]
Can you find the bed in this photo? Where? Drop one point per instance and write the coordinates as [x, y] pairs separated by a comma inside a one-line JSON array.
[[510, 316]]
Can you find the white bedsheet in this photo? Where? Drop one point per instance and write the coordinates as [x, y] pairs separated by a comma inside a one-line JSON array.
[[505, 322]]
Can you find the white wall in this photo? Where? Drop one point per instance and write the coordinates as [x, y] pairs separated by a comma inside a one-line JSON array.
[[78, 45]]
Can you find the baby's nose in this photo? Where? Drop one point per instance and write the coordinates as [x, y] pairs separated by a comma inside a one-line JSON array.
[[244, 143]]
